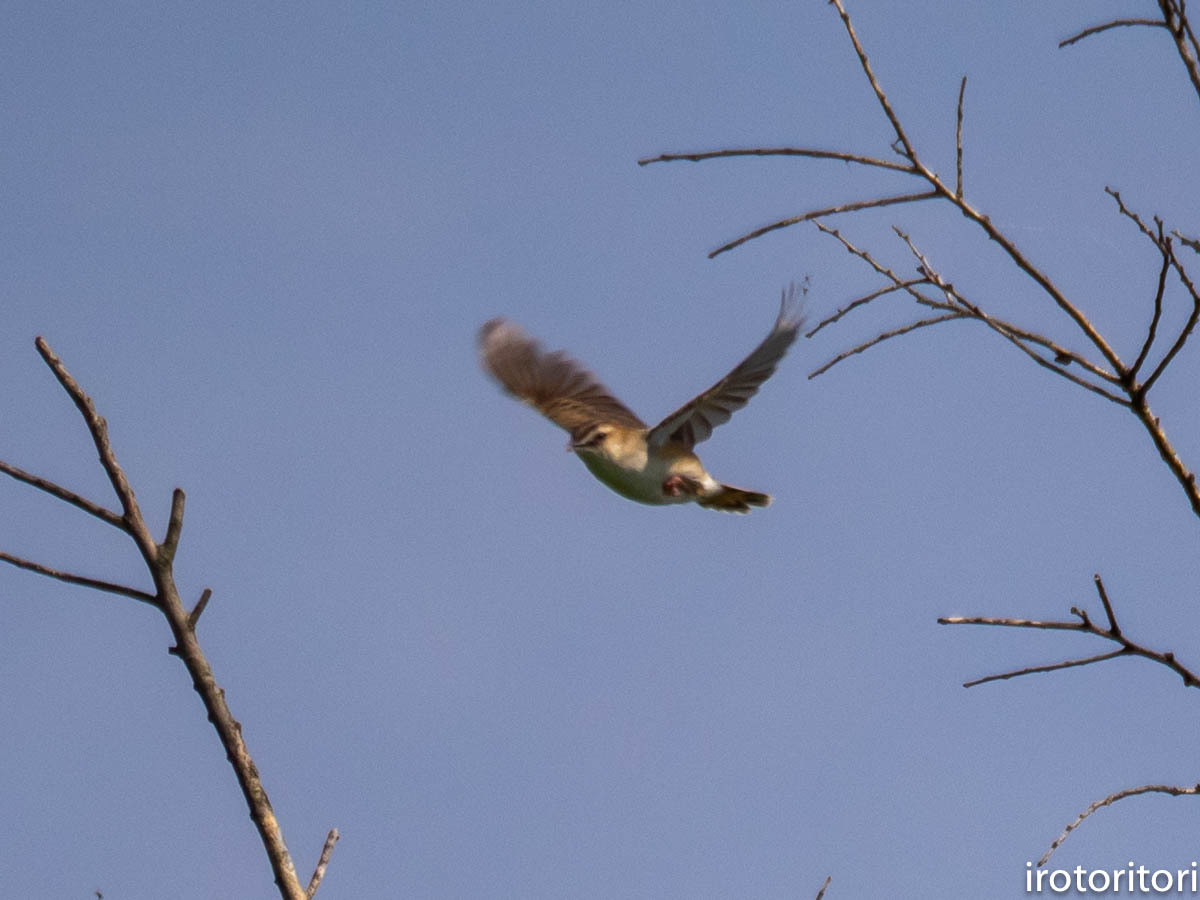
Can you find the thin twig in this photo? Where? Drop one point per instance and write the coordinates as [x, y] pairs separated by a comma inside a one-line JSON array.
[[1086, 626], [1130, 214], [95, 583], [820, 213], [866, 257], [1116, 23], [1003, 622], [778, 151], [98, 429], [865, 63], [1052, 667], [1164, 248], [1061, 353], [995, 325], [1173, 790], [198, 609], [1113, 628], [824, 887], [958, 141], [1175, 17], [174, 526], [1184, 332], [863, 300], [322, 863], [880, 338], [55, 490]]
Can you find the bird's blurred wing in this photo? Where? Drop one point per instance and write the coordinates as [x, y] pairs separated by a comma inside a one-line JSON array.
[[695, 421], [552, 383]]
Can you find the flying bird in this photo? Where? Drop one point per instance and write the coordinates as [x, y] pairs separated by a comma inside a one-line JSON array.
[[650, 465]]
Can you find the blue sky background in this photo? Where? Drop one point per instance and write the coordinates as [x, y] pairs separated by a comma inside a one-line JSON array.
[[263, 237]]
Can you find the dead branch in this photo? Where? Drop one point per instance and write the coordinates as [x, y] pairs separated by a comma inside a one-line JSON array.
[[884, 336], [54, 490], [83, 581], [1115, 23], [1052, 667], [1152, 331], [820, 213], [1172, 790], [158, 559], [958, 142], [322, 863], [1164, 246], [867, 298], [811, 152], [1085, 625], [1120, 382], [824, 887], [1175, 18], [957, 306]]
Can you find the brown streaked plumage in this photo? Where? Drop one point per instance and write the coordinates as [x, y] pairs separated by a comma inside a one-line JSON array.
[[651, 465]]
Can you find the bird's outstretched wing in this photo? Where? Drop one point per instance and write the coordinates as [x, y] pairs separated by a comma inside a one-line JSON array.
[[695, 421], [552, 383]]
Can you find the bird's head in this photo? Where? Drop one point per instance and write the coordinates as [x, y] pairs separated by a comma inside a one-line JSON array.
[[591, 439]]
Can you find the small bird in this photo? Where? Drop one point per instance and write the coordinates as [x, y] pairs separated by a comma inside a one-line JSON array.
[[650, 465]]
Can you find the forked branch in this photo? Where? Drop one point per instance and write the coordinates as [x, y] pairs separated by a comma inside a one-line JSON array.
[[1084, 624], [158, 559], [1107, 375]]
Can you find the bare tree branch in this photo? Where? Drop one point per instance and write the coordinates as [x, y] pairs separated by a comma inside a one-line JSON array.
[[1086, 626], [94, 583], [322, 863], [174, 525], [824, 887], [958, 141], [1113, 628], [55, 490], [865, 63], [1052, 667], [779, 151], [1152, 331], [1009, 334], [1188, 327], [866, 298], [158, 559], [1111, 799], [880, 338], [820, 213], [1115, 23], [1110, 378], [965, 308], [198, 609], [134, 523], [1175, 18]]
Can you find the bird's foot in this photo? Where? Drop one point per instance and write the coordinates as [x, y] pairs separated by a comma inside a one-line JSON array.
[[679, 484]]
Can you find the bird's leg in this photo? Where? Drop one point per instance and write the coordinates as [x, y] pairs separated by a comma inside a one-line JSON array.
[[680, 484]]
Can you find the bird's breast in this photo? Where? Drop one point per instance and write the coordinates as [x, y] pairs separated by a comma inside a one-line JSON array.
[[639, 475]]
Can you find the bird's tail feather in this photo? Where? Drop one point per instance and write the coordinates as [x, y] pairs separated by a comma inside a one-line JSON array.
[[732, 499]]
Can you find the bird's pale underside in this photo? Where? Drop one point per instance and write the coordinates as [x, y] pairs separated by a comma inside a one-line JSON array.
[[651, 465]]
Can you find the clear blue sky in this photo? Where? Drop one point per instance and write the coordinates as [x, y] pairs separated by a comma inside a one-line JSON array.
[[263, 237]]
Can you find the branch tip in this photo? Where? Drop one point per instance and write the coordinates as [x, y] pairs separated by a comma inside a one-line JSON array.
[[323, 863], [198, 609], [170, 544]]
